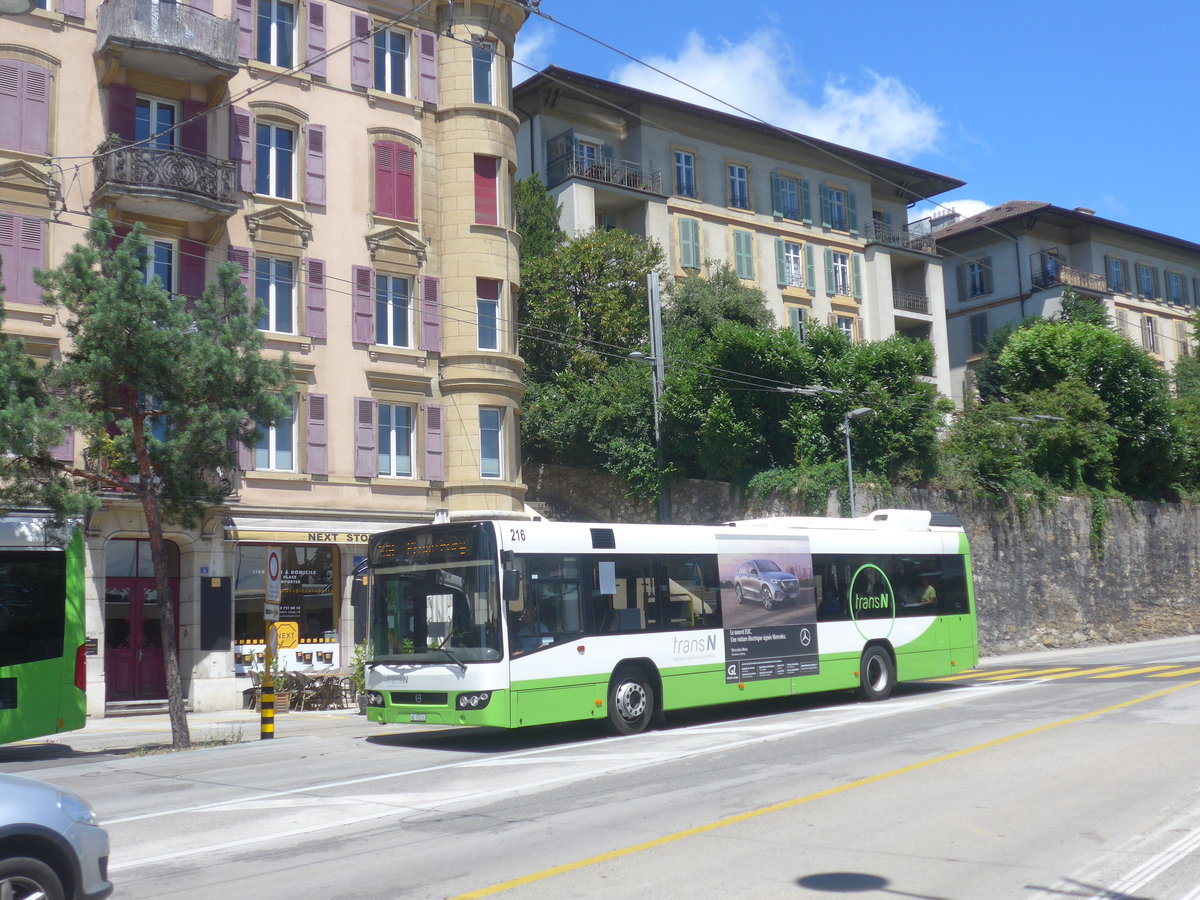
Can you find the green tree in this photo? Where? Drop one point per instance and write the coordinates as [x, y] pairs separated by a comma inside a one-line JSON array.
[[537, 218], [699, 303], [1077, 308], [156, 390]]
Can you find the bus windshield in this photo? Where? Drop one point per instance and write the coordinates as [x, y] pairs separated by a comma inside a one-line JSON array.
[[436, 597]]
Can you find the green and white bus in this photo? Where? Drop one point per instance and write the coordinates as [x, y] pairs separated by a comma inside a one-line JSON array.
[[509, 624], [42, 646]]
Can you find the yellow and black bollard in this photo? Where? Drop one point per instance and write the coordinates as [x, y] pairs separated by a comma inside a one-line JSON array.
[[267, 709]]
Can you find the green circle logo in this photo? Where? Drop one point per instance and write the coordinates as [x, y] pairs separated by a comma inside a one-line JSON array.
[[872, 599]]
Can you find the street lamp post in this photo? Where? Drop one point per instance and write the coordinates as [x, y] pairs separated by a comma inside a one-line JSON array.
[[853, 414]]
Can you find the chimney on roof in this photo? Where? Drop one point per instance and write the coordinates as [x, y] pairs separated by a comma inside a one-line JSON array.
[[1085, 211]]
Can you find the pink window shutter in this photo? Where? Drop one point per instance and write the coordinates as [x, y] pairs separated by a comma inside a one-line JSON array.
[[243, 14], [244, 257], [241, 146], [245, 457], [122, 110], [316, 456], [315, 39], [431, 314], [314, 165], [35, 126], [360, 51], [435, 457], [485, 190], [65, 452], [406, 194], [191, 269], [194, 133], [366, 462], [12, 103], [314, 298], [385, 179], [31, 242], [427, 73], [8, 251], [362, 288]]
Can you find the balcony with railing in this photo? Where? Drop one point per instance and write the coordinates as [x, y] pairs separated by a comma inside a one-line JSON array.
[[910, 301], [168, 38], [897, 236], [165, 181], [622, 173], [1051, 272]]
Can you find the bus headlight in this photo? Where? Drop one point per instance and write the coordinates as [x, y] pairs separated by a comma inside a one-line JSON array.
[[374, 698], [477, 700]]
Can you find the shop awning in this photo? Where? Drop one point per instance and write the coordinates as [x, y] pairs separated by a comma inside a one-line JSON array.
[[304, 531]]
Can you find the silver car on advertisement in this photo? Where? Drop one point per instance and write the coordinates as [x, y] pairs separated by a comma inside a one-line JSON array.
[[51, 845]]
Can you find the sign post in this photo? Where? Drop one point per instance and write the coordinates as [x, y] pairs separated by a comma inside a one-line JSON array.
[[270, 619]]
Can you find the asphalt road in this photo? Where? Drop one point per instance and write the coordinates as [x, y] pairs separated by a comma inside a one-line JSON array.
[[1066, 775]]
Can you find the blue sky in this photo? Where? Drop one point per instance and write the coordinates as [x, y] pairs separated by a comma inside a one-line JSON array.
[[1078, 104]]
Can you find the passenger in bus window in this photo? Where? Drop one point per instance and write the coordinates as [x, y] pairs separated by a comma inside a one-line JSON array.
[[531, 629], [928, 595]]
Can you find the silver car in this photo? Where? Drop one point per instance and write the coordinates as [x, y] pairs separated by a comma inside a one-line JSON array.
[[50, 844]]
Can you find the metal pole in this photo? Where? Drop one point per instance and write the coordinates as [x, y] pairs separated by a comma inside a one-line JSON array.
[[266, 703], [849, 464], [656, 354]]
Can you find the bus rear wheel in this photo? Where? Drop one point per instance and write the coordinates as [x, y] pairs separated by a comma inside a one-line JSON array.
[[630, 701], [877, 675]]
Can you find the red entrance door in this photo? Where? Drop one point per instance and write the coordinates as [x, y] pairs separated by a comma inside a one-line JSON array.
[[133, 653]]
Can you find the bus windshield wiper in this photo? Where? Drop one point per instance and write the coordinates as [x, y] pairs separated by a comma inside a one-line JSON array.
[[458, 662]]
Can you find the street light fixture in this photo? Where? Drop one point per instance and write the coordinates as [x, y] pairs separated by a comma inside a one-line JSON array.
[[853, 414]]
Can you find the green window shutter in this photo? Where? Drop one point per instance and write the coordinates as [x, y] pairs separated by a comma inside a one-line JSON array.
[[805, 202], [826, 215], [887, 219], [985, 266], [810, 268], [780, 263], [743, 253], [606, 153], [776, 195], [856, 273], [794, 319], [689, 249], [829, 286], [852, 211], [1154, 280]]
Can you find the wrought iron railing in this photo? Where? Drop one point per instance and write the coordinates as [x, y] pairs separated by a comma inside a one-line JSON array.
[[619, 172], [169, 26], [910, 301], [895, 236], [1052, 273], [145, 166]]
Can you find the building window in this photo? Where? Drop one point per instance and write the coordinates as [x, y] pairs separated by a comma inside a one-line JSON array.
[[743, 254], [793, 264], [975, 278], [979, 332], [391, 62], [786, 197], [274, 158], [276, 33], [739, 187], [1147, 282], [158, 261], [155, 121], [483, 57], [309, 592], [276, 446], [841, 275], [393, 311], [275, 286], [689, 244], [837, 209], [487, 198], [798, 321], [395, 189], [1118, 274], [1150, 334], [491, 420], [845, 324], [487, 307], [395, 444], [1176, 291], [685, 173]]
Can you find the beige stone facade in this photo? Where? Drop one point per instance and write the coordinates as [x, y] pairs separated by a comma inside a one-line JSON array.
[[365, 187]]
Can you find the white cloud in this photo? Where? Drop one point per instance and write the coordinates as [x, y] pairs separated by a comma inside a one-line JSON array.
[[875, 113], [964, 208], [532, 52]]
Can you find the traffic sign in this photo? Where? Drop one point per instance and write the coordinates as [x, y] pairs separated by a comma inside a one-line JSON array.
[[274, 581], [287, 635]]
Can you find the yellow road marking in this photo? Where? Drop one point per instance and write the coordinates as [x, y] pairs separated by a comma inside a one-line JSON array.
[[974, 673], [807, 798], [1084, 673], [1134, 671], [1031, 673], [1194, 671]]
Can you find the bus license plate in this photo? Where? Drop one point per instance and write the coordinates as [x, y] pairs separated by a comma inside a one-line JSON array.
[[416, 717]]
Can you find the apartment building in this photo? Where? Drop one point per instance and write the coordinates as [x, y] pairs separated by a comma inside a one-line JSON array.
[[356, 160], [1016, 259], [818, 227]]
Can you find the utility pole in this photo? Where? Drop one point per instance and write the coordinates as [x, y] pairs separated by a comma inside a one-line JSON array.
[[656, 359]]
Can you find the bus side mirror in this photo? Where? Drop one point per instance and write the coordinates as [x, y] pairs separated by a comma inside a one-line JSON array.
[[512, 584]]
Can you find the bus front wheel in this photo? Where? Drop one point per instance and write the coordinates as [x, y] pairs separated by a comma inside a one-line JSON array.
[[630, 701], [877, 675]]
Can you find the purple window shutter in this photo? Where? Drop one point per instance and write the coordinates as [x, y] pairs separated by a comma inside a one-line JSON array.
[[406, 193], [431, 315], [435, 457], [385, 178], [245, 259], [314, 164], [360, 51], [427, 88], [35, 110], [241, 146], [317, 435], [12, 102], [65, 452], [363, 287], [202, 5], [194, 132], [245, 457], [315, 38], [243, 13], [31, 241], [314, 298], [122, 110], [73, 8], [366, 462], [191, 269], [9, 254]]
